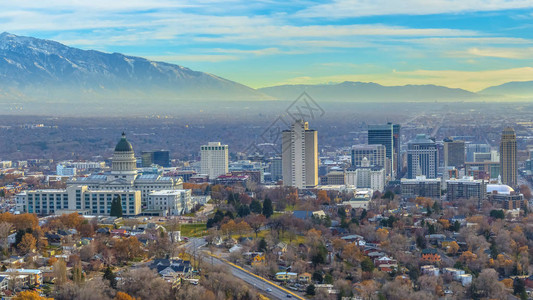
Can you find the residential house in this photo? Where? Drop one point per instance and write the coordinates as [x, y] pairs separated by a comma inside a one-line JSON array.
[[172, 269], [286, 276], [430, 255], [430, 270], [304, 277]]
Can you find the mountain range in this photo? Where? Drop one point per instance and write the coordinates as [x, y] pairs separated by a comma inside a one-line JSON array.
[[42, 71]]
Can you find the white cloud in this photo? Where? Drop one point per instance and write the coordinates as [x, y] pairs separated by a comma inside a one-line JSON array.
[[359, 8], [513, 53], [178, 59]]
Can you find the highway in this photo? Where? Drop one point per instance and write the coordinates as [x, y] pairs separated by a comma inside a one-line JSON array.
[[259, 283]]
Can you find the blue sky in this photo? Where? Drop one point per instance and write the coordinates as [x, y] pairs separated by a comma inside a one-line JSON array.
[[470, 44]]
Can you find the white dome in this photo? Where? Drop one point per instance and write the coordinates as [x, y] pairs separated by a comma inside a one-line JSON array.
[[500, 188]]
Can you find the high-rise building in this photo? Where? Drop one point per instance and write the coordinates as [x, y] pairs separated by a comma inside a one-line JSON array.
[[300, 155], [214, 159], [375, 154], [421, 186], [387, 135], [454, 153], [276, 169], [471, 149], [366, 176], [162, 158], [147, 158], [466, 188], [508, 162], [422, 157]]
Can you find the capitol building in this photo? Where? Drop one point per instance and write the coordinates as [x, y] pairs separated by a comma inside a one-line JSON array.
[[152, 194], [124, 176]]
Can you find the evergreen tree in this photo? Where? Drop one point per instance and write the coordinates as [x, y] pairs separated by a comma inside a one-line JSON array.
[[267, 208], [108, 275], [77, 274], [256, 207], [262, 245], [243, 211], [310, 290], [116, 207]]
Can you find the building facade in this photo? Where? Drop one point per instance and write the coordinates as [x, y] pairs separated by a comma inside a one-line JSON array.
[[80, 199], [366, 176], [376, 154], [508, 161], [465, 188], [454, 153], [214, 159], [421, 187], [170, 202], [300, 156], [422, 157], [387, 135]]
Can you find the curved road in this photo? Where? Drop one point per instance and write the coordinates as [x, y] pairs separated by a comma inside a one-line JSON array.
[[257, 282]]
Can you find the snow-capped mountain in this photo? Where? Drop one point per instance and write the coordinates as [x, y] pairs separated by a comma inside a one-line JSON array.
[[44, 70]]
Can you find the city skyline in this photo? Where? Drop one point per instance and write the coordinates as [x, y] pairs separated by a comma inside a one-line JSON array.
[[467, 44]]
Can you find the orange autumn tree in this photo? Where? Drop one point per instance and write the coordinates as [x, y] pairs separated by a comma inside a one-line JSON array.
[[124, 296], [29, 295], [22, 221]]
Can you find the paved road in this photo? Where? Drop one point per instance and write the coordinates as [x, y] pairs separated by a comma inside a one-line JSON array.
[[276, 293]]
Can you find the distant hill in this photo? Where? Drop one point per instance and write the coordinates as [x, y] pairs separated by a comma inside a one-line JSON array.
[[41, 70], [513, 88], [365, 92]]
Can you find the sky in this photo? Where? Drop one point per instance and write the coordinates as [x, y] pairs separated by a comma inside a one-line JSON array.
[[469, 44]]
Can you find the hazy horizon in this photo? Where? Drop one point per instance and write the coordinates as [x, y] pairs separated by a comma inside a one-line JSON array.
[[458, 44]]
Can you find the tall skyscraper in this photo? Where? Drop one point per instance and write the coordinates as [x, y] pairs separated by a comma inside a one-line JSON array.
[[387, 135], [422, 157], [454, 153], [214, 159], [300, 155], [508, 162]]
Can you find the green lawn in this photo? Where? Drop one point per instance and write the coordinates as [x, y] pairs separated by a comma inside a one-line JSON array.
[[193, 230]]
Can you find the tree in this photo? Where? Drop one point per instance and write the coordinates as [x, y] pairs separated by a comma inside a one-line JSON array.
[[59, 269], [267, 208], [94, 289], [497, 214], [256, 222], [310, 290], [77, 273], [109, 276], [367, 265], [124, 296], [116, 207], [453, 248], [262, 245], [29, 295], [256, 206], [145, 284], [243, 211], [5, 230], [487, 285], [27, 244], [322, 196], [128, 249]]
